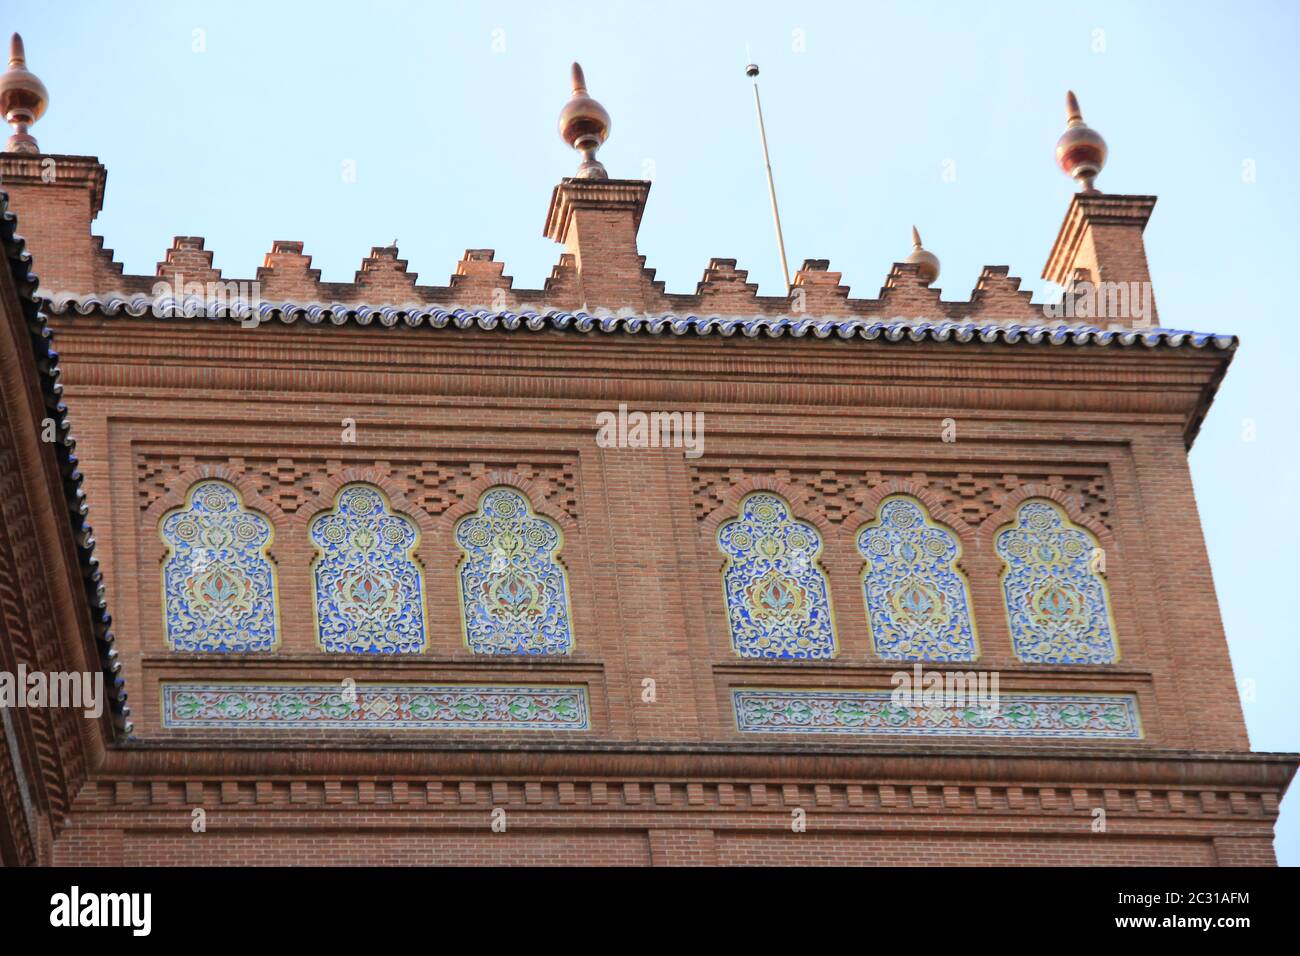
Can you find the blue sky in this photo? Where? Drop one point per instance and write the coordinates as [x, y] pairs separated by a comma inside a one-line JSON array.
[[448, 112]]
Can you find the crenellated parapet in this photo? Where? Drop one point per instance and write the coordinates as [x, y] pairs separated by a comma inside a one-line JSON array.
[[479, 281], [1097, 262]]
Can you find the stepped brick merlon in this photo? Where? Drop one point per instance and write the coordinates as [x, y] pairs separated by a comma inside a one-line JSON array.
[[817, 290], [384, 276], [286, 273], [724, 289], [480, 279], [187, 262]]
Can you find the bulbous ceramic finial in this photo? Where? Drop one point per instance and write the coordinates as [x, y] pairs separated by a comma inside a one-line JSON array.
[[927, 263], [584, 125], [1080, 152], [23, 99]]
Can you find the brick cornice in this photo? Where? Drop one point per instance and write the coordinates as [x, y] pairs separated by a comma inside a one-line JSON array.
[[556, 366], [898, 805], [572, 195], [58, 170], [1087, 210], [477, 758]]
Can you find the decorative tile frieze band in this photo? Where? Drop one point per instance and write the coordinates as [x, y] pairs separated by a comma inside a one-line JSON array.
[[1065, 716], [286, 706]]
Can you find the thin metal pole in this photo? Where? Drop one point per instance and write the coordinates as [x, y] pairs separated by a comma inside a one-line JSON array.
[[752, 71]]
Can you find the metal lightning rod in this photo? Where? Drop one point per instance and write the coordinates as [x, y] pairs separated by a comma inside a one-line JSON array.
[[752, 72]]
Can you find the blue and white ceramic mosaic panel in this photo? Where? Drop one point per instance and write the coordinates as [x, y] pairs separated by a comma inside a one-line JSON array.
[[369, 588], [777, 595], [1057, 603], [918, 603], [219, 589], [513, 589]]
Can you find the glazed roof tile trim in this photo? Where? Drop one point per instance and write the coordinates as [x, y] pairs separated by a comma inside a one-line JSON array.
[[46, 360], [892, 330]]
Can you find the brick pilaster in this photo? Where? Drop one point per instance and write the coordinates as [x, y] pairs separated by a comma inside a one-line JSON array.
[[597, 221], [57, 198], [1101, 241]]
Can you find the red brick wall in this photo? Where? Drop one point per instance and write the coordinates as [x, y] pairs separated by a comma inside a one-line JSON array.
[[936, 850], [417, 838], [156, 404]]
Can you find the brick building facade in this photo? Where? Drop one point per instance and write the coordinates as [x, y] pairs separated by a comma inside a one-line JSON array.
[[379, 595]]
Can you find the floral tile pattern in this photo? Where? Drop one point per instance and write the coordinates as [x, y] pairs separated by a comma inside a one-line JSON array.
[[918, 603], [369, 588], [778, 597], [1057, 602], [1069, 716], [219, 589], [514, 593]]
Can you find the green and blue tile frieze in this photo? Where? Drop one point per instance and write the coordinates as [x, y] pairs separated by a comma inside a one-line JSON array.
[[216, 705], [876, 712]]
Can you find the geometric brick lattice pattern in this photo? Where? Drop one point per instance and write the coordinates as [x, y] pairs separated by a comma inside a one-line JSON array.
[[838, 493], [289, 483]]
